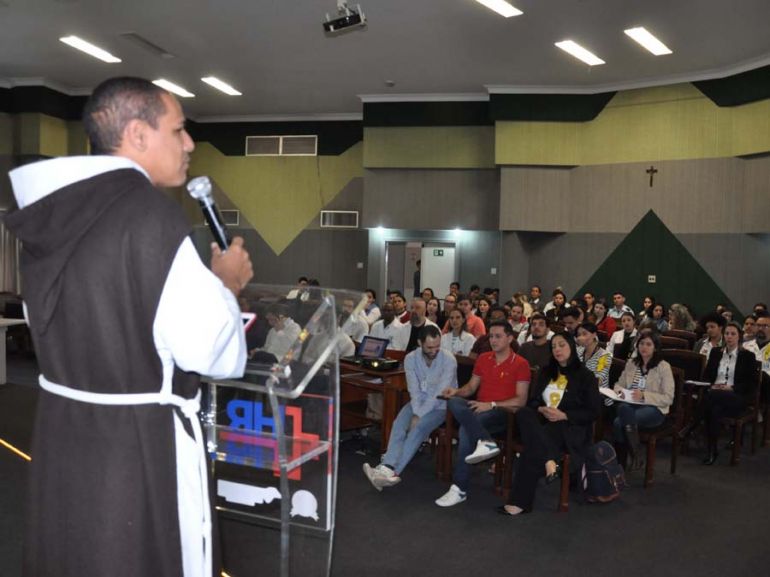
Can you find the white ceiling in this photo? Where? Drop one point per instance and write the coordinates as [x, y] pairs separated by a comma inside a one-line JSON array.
[[276, 53]]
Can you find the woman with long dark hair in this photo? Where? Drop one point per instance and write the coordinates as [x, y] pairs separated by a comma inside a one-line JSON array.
[[648, 384], [621, 343], [731, 370], [604, 322], [659, 317], [558, 418]]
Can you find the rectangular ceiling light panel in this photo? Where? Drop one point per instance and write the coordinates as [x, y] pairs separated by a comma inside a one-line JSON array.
[[501, 7], [576, 50], [221, 86], [648, 41], [90, 49], [173, 88]]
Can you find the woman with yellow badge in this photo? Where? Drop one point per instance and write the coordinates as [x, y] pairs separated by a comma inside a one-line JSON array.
[[595, 358], [557, 419]]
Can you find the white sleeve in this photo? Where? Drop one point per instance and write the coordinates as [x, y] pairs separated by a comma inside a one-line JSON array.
[[198, 321]]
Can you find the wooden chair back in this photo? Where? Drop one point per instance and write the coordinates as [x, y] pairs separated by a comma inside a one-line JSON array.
[[689, 336], [690, 362], [669, 342]]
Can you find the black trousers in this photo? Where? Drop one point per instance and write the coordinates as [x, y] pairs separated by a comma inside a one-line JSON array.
[[543, 441], [719, 404]]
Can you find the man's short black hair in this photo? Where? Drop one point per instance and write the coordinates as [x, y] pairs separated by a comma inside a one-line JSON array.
[[428, 331], [116, 102], [618, 293], [496, 309], [397, 294], [455, 283], [538, 317], [503, 325], [475, 287], [301, 279], [573, 312]]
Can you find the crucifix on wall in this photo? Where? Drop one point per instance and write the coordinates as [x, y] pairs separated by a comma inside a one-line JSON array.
[[652, 171]]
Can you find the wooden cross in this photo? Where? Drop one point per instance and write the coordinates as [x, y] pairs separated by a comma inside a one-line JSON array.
[[652, 171]]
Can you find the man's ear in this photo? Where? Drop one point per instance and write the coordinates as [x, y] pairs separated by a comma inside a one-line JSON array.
[[135, 135]]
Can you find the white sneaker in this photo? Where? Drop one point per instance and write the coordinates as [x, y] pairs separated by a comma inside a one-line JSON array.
[[371, 474], [386, 477], [381, 476], [484, 450], [451, 497]]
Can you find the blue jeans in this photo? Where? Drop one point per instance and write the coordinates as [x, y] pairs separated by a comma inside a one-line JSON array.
[[473, 428], [404, 443], [643, 416]]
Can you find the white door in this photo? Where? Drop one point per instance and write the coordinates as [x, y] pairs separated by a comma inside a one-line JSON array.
[[438, 268]]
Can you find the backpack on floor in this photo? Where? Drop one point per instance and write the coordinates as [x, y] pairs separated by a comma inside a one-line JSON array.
[[603, 477]]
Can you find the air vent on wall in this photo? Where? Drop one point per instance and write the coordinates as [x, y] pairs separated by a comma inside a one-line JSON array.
[[306, 145], [339, 219], [231, 217]]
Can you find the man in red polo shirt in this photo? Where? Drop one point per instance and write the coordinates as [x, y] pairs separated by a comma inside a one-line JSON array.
[[500, 383]]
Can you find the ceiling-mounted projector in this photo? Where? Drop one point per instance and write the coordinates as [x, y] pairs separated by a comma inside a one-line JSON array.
[[347, 18]]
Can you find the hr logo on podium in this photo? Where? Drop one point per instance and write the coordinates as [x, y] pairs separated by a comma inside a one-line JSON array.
[[245, 449]]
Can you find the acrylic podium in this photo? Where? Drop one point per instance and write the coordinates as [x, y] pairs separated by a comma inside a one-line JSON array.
[[272, 435]]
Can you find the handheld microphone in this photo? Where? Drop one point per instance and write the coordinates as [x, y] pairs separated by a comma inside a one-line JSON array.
[[200, 189]]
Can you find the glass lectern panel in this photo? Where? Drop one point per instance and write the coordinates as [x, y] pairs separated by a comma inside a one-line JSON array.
[[272, 434]]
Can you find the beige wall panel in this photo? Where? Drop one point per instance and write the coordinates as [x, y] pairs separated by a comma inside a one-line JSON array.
[[431, 199], [723, 195], [756, 202], [535, 199]]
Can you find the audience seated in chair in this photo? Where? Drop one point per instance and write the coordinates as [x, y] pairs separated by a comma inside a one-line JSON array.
[[619, 306], [557, 419], [457, 341], [621, 343], [647, 380], [604, 322], [399, 306], [429, 371], [760, 346], [475, 324], [355, 326], [595, 358], [499, 383], [731, 372], [417, 320], [680, 319], [659, 317], [371, 312], [714, 324], [496, 314], [390, 328], [537, 351], [282, 335]]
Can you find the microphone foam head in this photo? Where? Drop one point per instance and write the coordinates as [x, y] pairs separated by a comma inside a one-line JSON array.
[[199, 187]]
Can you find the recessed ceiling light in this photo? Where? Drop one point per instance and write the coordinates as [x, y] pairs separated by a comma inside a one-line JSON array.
[[501, 7], [648, 41], [579, 52], [89, 48], [173, 88], [219, 85]]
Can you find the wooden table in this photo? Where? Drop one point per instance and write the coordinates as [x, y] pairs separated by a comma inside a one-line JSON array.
[[4, 324], [356, 383]]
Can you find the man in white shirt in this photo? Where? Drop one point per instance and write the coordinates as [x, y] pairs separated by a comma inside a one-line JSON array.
[[352, 325], [760, 346], [283, 332], [389, 327], [429, 371], [620, 306]]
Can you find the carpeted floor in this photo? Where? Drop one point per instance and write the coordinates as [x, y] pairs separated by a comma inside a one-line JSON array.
[[702, 522]]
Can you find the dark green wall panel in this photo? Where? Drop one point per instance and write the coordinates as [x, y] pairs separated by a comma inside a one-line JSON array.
[[650, 248]]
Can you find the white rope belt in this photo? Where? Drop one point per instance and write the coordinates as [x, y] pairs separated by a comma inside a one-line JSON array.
[[189, 408]]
